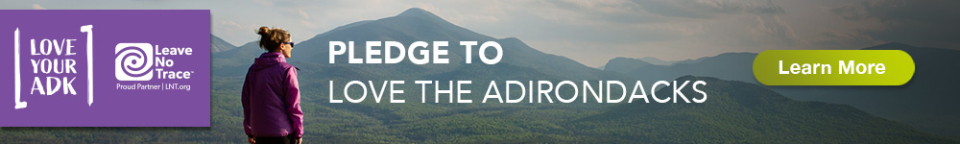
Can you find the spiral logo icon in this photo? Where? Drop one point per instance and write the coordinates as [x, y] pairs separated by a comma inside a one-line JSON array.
[[134, 61]]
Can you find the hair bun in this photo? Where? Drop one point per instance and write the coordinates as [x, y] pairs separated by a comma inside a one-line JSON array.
[[264, 30], [272, 39]]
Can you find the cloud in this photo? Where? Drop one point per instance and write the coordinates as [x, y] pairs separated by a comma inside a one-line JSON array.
[[263, 2], [305, 19], [924, 23], [307, 24], [707, 8], [37, 7], [231, 24], [775, 30], [303, 14], [831, 38]]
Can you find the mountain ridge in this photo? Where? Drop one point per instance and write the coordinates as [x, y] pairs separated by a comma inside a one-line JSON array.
[[929, 109], [744, 112]]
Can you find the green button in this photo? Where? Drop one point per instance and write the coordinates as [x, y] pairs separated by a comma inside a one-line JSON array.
[[833, 67]]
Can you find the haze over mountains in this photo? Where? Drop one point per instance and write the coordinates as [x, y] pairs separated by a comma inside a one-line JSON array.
[[926, 102]]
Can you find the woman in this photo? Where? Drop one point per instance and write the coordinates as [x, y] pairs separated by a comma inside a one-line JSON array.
[[271, 93]]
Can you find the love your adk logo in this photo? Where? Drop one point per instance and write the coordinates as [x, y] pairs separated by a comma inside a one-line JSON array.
[[48, 65], [90, 68]]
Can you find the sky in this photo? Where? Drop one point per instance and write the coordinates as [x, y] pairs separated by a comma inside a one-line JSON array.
[[595, 31]]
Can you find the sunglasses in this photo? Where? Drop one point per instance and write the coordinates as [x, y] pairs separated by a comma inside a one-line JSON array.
[[291, 43]]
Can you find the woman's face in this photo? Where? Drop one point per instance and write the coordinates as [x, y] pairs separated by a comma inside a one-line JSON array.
[[286, 48]]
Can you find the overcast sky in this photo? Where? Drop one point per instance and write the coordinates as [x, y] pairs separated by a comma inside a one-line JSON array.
[[594, 31]]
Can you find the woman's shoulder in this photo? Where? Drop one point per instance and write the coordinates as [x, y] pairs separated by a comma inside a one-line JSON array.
[[287, 66]]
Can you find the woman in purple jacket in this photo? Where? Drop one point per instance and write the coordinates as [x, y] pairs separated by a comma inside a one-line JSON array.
[[271, 93]]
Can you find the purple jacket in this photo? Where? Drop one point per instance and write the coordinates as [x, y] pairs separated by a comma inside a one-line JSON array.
[[271, 98]]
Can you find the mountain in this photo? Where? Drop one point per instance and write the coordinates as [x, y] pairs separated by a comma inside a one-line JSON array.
[[656, 61], [218, 45], [733, 66], [740, 112], [624, 65], [925, 102]]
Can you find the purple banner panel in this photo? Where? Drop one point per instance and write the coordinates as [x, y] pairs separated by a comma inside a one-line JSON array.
[[105, 68]]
